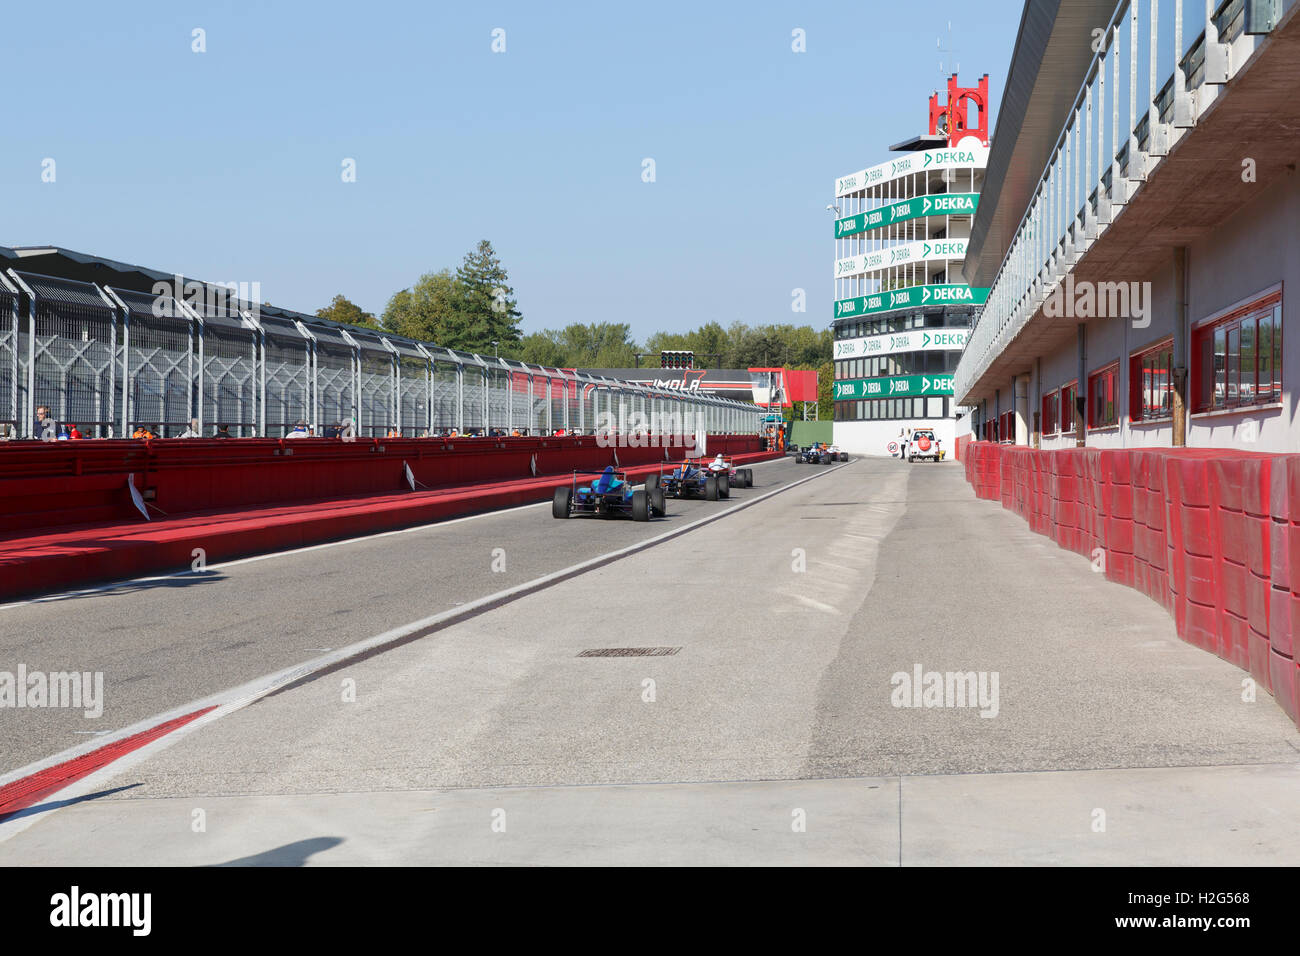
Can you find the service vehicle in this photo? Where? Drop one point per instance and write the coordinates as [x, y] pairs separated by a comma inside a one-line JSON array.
[[923, 445]]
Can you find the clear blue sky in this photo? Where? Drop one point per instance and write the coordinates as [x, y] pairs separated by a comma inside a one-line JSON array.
[[226, 165]]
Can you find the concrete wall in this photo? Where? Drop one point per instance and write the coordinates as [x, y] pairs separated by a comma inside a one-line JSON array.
[[873, 438]]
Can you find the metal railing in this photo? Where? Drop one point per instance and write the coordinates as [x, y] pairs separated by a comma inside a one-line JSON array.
[[109, 360], [1124, 122]]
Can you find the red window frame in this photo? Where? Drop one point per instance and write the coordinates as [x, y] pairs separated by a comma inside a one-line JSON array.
[[1222, 350], [1069, 393], [1151, 382], [1103, 397], [1051, 412]]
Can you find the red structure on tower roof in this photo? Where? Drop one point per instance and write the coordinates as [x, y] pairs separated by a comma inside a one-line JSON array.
[[954, 118]]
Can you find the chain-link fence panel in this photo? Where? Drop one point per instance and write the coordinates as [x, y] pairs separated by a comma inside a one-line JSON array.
[[9, 323], [557, 403], [540, 403], [376, 391], [160, 364], [446, 396], [229, 375], [288, 378], [335, 379], [498, 397], [413, 384], [73, 353], [476, 394]]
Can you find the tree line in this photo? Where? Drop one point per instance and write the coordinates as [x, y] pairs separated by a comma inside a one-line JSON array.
[[474, 308]]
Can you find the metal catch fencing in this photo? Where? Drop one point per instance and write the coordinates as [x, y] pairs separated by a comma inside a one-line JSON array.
[[110, 360]]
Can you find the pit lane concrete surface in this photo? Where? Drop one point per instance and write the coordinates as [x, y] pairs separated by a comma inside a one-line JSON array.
[[773, 727]]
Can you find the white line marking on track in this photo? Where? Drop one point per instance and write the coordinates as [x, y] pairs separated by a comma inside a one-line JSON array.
[[237, 698], [815, 604]]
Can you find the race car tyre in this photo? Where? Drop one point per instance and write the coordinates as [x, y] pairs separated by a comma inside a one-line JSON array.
[[724, 486], [844, 456], [749, 477], [651, 483], [658, 504], [711, 488], [640, 506], [562, 503]]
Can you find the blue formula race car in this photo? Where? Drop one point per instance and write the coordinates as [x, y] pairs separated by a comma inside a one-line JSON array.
[[690, 480], [609, 495]]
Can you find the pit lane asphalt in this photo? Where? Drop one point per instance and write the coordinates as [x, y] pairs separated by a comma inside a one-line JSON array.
[[779, 702], [163, 643]]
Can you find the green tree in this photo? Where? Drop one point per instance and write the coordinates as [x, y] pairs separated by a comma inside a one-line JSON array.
[[487, 311], [430, 311], [540, 348], [342, 309], [598, 345]]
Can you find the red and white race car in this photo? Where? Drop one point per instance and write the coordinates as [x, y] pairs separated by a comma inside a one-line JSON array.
[[723, 465]]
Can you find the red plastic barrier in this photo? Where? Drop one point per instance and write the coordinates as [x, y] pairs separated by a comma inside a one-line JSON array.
[[57, 484], [74, 557], [1211, 534], [1116, 518]]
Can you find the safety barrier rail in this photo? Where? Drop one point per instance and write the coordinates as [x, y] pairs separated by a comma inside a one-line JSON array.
[[54, 484], [1213, 535]]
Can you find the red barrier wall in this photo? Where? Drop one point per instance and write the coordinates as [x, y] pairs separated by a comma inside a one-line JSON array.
[[1210, 534], [56, 484]]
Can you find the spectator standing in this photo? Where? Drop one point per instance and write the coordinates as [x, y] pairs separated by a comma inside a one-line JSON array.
[[223, 431], [299, 431], [192, 431], [42, 423]]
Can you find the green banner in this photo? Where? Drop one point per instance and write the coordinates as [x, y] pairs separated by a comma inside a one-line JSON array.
[[947, 204], [910, 298], [896, 387]]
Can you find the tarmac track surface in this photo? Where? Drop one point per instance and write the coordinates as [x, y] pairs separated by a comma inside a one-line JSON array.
[[789, 623]]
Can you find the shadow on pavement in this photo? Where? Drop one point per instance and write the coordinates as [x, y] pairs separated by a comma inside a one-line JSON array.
[[291, 854], [60, 804]]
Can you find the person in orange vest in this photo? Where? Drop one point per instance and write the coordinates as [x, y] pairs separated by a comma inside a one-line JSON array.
[[142, 432], [394, 433]]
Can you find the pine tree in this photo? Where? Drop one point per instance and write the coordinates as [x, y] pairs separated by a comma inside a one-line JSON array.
[[487, 310]]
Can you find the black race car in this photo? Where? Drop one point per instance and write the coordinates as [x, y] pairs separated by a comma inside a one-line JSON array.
[[814, 454], [690, 481]]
